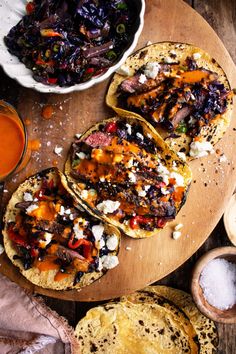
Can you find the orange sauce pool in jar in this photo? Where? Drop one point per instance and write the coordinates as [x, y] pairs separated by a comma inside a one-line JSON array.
[[12, 143]]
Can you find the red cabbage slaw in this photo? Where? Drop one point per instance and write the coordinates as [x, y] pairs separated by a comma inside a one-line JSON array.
[[67, 42]]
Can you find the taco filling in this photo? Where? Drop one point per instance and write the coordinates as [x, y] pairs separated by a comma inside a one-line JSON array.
[[125, 175], [50, 232]]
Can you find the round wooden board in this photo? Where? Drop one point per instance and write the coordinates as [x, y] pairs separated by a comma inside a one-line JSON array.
[[151, 259]]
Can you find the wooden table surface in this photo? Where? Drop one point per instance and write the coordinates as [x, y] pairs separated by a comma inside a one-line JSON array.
[[221, 15]]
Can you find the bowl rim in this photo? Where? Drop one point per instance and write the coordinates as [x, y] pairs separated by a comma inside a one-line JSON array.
[[200, 264], [38, 86]]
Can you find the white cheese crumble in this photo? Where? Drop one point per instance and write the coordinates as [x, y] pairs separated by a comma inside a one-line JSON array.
[[182, 155], [28, 197], [102, 179], [109, 262], [179, 180], [84, 194], [164, 173], [142, 193], [152, 69], [112, 242], [132, 177], [62, 210], [196, 56], [168, 60], [1, 249], [200, 149], [173, 52], [47, 239], [58, 150], [128, 248], [129, 128], [178, 227], [79, 233], [164, 191], [67, 211], [142, 79], [49, 143], [176, 235], [108, 206], [97, 231], [81, 155], [223, 158], [140, 136], [148, 43], [147, 187], [78, 135], [124, 70], [100, 266], [31, 208]]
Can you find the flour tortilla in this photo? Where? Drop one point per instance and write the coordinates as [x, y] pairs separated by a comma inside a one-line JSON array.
[[157, 52], [45, 279], [167, 155], [128, 328]]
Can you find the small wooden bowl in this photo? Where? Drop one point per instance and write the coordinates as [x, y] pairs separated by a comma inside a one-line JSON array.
[[224, 316]]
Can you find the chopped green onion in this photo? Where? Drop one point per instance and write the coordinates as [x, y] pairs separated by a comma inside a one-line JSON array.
[[122, 6], [120, 28], [56, 48], [111, 55], [182, 128], [75, 162]]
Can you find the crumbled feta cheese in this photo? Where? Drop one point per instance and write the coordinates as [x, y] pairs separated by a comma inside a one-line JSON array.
[[100, 266], [49, 143], [168, 60], [31, 208], [79, 233], [173, 52], [176, 235], [196, 56], [142, 79], [108, 206], [109, 262], [192, 98], [129, 128], [132, 177], [58, 150], [102, 179], [67, 211], [182, 155], [149, 43], [178, 227], [1, 249], [62, 210], [81, 155], [152, 69], [48, 238], [147, 187], [142, 193], [128, 248], [28, 197], [163, 172], [78, 135], [130, 162], [222, 158], [97, 231], [84, 194], [200, 149], [140, 136], [179, 179], [112, 242], [124, 70], [164, 191]]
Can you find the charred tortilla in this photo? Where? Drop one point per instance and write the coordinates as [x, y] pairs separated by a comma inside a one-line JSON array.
[[180, 89], [124, 173], [53, 241], [128, 328]]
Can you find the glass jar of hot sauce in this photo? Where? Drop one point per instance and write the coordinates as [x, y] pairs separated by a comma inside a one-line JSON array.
[[14, 150]]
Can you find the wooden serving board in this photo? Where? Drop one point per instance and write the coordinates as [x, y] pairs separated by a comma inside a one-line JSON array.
[[151, 259]]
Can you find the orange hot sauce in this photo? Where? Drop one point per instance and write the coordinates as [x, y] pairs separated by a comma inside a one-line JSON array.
[[12, 143]]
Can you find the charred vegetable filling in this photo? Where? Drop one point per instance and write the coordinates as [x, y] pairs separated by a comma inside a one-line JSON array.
[[68, 42], [178, 98], [51, 233], [122, 172]]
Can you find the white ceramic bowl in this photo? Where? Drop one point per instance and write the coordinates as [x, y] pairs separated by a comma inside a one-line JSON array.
[[11, 13]]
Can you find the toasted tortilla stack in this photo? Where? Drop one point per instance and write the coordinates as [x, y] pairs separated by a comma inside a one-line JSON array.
[[155, 320], [180, 89], [53, 241], [124, 173]]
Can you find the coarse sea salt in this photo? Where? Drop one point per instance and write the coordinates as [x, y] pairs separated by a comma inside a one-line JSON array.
[[218, 282]]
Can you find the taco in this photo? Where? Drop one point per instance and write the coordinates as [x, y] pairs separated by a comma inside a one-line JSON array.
[[181, 90], [128, 328], [53, 241], [125, 174]]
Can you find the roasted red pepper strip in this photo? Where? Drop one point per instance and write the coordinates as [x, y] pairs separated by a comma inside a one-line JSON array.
[[161, 223], [52, 80], [30, 8], [15, 237], [138, 219], [87, 247], [111, 127]]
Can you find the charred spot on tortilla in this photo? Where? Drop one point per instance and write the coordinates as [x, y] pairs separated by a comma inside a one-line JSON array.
[[52, 239], [180, 90], [124, 173]]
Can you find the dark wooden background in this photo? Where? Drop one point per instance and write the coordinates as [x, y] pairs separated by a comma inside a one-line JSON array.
[[221, 15]]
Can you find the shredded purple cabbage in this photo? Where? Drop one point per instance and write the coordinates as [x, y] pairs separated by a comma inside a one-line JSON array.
[[67, 42]]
